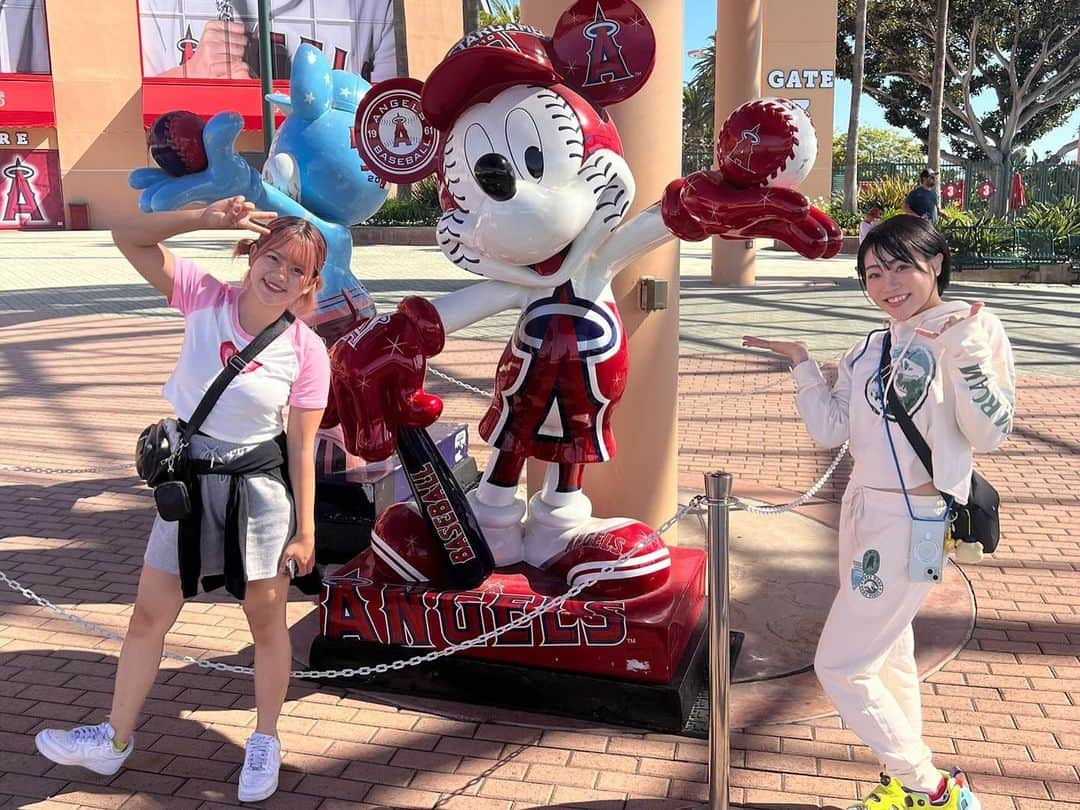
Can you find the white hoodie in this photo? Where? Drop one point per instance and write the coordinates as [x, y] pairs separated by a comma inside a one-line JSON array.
[[958, 388]]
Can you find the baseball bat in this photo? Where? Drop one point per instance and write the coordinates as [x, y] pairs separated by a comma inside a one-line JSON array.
[[444, 508]]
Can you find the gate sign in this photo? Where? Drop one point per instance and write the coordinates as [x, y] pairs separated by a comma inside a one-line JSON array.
[[30, 193], [953, 192]]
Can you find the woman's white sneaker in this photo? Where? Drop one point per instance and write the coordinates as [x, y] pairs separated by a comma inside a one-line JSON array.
[[86, 746], [262, 760]]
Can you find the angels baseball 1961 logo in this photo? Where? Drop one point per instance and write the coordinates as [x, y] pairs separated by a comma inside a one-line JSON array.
[[395, 141]]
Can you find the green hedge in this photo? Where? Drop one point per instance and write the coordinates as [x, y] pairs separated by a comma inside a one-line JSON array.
[[396, 211]]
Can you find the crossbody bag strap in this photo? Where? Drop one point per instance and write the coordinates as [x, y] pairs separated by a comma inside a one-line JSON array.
[[896, 408], [237, 363]]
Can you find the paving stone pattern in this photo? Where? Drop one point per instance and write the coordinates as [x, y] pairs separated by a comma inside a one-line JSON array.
[[80, 373]]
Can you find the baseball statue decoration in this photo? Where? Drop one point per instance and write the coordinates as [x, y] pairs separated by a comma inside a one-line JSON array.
[[175, 141], [535, 194], [766, 142], [536, 198], [313, 171]]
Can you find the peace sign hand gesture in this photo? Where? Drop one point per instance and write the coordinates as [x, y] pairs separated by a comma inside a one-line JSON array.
[[235, 212]]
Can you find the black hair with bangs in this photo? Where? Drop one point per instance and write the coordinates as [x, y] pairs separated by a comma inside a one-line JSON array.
[[908, 238]]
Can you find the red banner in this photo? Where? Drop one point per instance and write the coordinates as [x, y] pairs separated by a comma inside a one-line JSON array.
[[30, 192], [26, 101], [207, 98]]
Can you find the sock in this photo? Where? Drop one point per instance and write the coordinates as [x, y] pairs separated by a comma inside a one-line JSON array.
[[118, 747], [941, 791]]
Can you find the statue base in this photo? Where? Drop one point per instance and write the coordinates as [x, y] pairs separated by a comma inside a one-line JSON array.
[[639, 662]]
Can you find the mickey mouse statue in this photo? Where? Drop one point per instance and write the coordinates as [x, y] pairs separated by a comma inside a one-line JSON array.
[[535, 193], [312, 171]]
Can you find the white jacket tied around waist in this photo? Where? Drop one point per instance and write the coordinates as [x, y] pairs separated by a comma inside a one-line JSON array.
[[959, 389]]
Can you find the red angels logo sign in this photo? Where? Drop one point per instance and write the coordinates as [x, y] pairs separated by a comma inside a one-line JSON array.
[[394, 139], [605, 48], [743, 152], [606, 63], [30, 195], [21, 198]]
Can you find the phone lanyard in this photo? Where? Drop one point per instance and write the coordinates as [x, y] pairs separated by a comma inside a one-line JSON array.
[[896, 459]]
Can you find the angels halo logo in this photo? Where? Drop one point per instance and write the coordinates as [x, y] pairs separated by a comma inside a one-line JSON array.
[[394, 140]]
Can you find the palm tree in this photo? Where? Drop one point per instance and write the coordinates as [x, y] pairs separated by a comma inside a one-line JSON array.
[[703, 79], [697, 140], [699, 101]]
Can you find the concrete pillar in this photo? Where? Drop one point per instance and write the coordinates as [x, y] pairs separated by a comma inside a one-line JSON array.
[[431, 28], [738, 79], [98, 104], [798, 61], [642, 480]]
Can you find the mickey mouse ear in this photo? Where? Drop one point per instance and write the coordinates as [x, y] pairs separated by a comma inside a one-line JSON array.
[[396, 143], [606, 49]]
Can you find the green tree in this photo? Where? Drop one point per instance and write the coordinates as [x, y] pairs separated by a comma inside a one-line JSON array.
[[1018, 60], [498, 11], [878, 146]]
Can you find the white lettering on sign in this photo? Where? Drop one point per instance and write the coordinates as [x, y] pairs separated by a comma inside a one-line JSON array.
[[795, 79], [21, 139]]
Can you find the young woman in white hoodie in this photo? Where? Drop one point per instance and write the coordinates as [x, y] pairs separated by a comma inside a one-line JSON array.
[[952, 368]]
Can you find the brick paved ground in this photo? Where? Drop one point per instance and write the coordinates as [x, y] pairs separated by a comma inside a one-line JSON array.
[[76, 383]]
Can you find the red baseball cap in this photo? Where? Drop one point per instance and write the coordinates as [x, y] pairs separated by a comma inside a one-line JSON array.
[[482, 64]]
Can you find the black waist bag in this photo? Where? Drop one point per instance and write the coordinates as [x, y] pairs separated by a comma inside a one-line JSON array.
[[161, 459], [978, 520]]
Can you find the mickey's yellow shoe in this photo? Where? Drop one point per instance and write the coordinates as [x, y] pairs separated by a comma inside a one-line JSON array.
[[889, 794]]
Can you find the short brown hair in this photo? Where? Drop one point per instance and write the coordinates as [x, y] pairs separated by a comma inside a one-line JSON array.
[[301, 235]]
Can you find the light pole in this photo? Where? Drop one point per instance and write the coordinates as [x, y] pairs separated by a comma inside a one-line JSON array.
[[266, 71]]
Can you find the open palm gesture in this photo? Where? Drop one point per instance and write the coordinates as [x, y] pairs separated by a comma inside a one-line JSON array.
[[236, 212], [793, 350]]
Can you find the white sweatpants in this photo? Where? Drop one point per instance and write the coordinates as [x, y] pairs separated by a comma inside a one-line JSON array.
[[866, 656]]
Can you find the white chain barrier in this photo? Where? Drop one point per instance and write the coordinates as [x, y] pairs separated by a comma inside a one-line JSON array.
[[377, 669], [736, 503], [694, 506], [802, 499], [127, 465], [461, 383]]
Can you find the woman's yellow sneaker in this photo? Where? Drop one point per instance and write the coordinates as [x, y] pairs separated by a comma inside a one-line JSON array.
[[889, 794]]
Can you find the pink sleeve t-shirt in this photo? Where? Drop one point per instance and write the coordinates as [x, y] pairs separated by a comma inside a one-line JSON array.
[[293, 370]]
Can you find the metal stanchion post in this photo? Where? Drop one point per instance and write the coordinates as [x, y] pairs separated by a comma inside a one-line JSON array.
[[718, 495]]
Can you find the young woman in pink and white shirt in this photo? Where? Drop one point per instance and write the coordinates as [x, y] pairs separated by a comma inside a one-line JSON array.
[[951, 365], [278, 526]]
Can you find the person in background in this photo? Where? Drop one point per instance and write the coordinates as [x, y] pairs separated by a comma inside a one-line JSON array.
[[922, 201], [869, 220]]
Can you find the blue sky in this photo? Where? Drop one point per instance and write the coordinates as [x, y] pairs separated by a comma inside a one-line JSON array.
[[700, 22]]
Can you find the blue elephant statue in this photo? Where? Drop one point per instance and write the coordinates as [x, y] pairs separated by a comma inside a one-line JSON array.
[[313, 171]]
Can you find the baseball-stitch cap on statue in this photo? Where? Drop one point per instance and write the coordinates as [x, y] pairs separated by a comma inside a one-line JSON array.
[[483, 63]]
